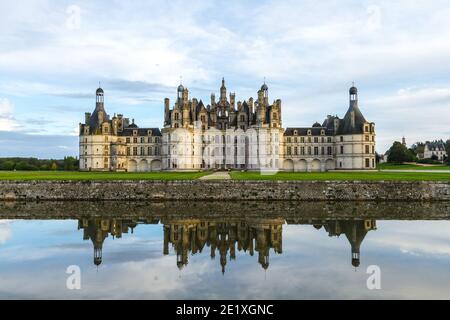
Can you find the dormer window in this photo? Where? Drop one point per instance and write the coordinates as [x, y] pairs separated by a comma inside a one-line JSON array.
[[295, 132], [322, 132], [149, 132], [135, 132], [309, 132]]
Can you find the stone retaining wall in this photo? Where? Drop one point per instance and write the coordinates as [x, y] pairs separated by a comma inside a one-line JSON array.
[[225, 190]]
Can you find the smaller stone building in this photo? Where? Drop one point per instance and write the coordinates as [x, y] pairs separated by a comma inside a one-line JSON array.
[[436, 149]]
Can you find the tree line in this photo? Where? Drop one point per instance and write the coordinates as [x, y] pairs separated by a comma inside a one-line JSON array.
[[34, 164], [399, 153]]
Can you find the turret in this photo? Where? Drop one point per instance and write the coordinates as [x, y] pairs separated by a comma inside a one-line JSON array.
[[232, 100], [180, 91], [87, 118], [194, 105], [223, 91], [265, 93], [115, 125], [100, 98], [166, 111]]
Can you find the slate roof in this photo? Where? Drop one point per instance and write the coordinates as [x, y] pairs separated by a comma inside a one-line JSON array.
[[347, 126], [435, 145]]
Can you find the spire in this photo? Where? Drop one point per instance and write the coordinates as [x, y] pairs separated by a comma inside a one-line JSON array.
[[223, 91], [264, 87]]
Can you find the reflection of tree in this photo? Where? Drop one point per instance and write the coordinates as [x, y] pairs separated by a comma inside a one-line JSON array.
[[223, 236]]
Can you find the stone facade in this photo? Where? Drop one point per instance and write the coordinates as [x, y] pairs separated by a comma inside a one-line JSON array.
[[226, 134], [225, 190]]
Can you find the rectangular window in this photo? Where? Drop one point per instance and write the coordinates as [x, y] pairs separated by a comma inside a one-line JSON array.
[[367, 163], [302, 150], [134, 151], [367, 149], [134, 140], [316, 139], [342, 149], [316, 151], [367, 138], [302, 139], [128, 140], [295, 151], [128, 151]]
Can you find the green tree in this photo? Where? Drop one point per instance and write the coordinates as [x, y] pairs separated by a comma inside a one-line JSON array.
[[418, 148], [447, 149], [70, 163], [7, 165], [25, 166], [54, 166], [398, 153]]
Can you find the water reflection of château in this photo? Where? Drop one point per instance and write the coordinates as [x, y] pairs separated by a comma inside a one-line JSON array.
[[224, 236]]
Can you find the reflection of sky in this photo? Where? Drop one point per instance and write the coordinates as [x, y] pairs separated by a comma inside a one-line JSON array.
[[414, 257]]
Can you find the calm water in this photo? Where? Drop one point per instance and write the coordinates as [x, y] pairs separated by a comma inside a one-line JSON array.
[[224, 250]]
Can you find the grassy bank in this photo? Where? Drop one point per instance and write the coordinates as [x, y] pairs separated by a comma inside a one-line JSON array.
[[73, 175], [350, 176], [236, 175], [390, 166]]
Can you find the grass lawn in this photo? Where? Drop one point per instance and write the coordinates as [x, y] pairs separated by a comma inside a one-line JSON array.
[[69, 175], [390, 166], [237, 175], [410, 176]]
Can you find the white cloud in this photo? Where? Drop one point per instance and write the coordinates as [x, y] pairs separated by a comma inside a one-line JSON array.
[[310, 53], [7, 120], [5, 231]]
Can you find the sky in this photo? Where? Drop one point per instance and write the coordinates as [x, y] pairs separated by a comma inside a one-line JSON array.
[[54, 54]]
